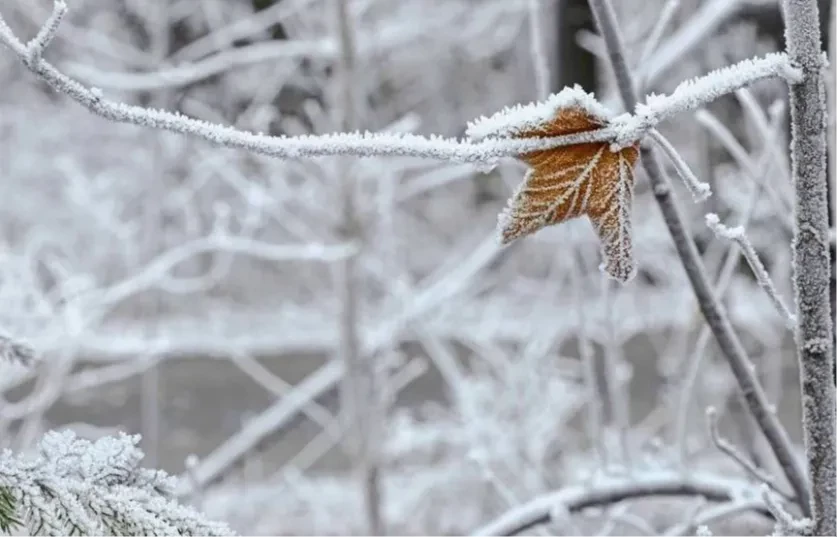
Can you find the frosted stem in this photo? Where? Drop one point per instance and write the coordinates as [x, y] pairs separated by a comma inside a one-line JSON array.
[[812, 267]]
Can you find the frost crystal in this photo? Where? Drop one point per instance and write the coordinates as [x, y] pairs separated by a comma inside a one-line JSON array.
[[520, 118], [74, 486]]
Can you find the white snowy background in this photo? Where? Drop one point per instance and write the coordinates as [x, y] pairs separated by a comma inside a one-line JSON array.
[[191, 294]]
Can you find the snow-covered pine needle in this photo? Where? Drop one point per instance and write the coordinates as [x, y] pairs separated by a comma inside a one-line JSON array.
[[74, 486], [738, 235], [700, 191]]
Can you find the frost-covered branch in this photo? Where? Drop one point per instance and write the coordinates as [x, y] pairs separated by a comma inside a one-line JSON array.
[[738, 235], [708, 302], [74, 486], [696, 93], [626, 130], [698, 189], [728, 449], [714, 126], [573, 499], [811, 261]]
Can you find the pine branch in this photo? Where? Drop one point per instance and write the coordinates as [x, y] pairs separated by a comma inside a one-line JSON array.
[[74, 486]]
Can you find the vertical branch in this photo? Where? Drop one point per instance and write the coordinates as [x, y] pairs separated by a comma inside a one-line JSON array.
[[540, 61], [151, 384], [811, 258], [358, 395], [711, 308]]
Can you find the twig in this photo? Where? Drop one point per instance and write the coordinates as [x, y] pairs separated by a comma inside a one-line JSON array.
[[781, 204], [812, 267], [711, 308], [721, 285], [625, 131], [699, 190], [540, 61], [728, 449], [787, 524], [666, 16], [714, 514], [359, 392], [739, 236]]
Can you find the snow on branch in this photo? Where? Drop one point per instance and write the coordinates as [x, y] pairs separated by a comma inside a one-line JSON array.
[[698, 92], [738, 235], [577, 498], [625, 130], [698, 189], [354, 143], [728, 449], [74, 486]]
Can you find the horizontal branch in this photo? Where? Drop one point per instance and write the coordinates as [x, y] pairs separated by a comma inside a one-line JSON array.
[[574, 499], [626, 129]]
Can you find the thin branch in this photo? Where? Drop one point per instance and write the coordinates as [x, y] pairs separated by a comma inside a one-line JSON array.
[[699, 190], [540, 60], [780, 203], [728, 449], [666, 16], [739, 236], [811, 262], [694, 33], [46, 34], [711, 308], [577, 498], [698, 92], [625, 131], [359, 393], [358, 144], [714, 514]]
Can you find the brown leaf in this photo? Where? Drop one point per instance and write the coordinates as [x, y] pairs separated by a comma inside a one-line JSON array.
[[571, 181]]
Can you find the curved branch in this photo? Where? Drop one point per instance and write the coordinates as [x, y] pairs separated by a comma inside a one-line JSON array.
[[575, 499]]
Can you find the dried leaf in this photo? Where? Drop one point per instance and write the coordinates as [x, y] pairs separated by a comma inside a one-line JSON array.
[[571, 181]]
